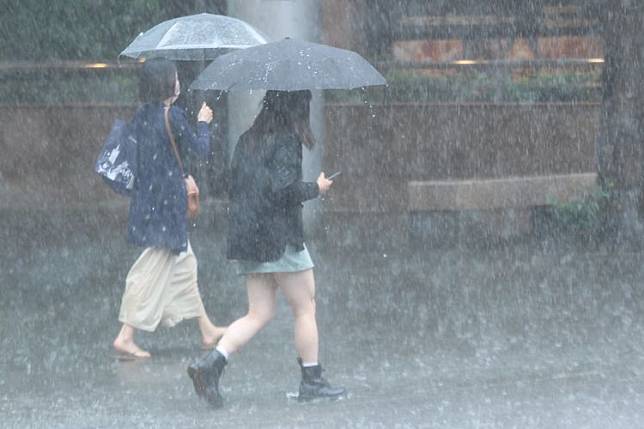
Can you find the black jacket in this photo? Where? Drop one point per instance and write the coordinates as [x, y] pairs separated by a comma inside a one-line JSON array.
[[266, 196]]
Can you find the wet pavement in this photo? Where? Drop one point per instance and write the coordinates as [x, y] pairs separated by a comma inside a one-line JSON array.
[[539, 334]]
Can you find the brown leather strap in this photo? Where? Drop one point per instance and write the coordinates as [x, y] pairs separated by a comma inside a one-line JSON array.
[[166, 115]]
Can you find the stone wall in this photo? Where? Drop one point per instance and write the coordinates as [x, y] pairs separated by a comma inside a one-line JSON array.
[[48, 152], [381, 149]]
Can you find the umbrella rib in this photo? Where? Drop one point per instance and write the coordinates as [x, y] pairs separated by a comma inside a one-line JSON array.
[[212, 32]]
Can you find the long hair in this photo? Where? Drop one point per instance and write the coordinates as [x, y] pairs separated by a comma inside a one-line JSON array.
[[157, 79], [285, 111]]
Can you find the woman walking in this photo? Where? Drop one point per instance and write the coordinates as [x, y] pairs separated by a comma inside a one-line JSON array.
[[266, 237], [161, 287]]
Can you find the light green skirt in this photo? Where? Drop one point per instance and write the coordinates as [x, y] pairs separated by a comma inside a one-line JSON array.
[[292, 261]]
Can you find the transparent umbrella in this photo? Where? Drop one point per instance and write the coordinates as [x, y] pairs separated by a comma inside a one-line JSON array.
[[194, 38]]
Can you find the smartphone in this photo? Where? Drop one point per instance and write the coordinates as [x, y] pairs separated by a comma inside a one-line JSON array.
[[334, 175]]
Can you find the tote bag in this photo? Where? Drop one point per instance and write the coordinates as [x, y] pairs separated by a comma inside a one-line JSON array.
[[117, 160]]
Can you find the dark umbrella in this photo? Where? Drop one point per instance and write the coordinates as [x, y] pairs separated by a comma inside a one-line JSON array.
[[288, 65], [194, 38]]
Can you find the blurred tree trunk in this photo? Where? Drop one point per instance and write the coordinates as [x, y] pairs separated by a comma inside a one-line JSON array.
[[619, 146]]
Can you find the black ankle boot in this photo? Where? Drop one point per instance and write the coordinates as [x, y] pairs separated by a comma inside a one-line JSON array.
[[205, 374], [314, 386]]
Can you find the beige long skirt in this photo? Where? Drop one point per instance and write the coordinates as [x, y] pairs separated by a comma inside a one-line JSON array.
[[161, 288]]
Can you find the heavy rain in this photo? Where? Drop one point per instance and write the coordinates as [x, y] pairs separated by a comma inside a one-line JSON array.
[[478, 261]]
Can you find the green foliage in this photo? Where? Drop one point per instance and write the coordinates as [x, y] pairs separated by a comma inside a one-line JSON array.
[[36, 30], [562, 87], [581, 216], [51, 86], [408, 85]]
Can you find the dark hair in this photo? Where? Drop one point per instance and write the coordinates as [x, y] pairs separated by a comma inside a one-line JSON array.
[[285, 111], [157, 80]]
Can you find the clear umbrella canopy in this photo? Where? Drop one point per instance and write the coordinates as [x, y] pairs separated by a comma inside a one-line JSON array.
[[194, 38]]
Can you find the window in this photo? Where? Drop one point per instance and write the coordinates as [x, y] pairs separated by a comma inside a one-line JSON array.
[[500, 51]]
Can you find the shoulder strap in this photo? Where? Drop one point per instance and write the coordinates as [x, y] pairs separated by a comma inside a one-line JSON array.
[[166, 116]]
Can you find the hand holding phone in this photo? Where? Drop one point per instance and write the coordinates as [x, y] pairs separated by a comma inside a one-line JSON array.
[[324, 183]]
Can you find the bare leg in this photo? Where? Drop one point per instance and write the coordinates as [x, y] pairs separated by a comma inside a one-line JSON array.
[[124, 343], [261, 308], [299, 289], [210, 333]]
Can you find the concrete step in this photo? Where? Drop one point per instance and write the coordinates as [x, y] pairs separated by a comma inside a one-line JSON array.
[[489, 194]]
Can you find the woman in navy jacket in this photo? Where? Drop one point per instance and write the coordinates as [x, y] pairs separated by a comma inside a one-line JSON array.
[[267, 239], [161, 287]]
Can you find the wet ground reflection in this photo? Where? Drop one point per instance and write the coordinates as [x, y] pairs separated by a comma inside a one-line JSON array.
[[519, 335]]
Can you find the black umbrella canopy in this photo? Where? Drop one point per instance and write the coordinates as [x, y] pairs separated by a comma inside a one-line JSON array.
[[289, 65], [196, 37]]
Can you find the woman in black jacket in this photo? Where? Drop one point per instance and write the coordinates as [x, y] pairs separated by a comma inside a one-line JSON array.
[[266, 237]]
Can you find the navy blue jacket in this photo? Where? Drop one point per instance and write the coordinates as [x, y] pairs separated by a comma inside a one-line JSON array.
[[157, 215], [266, 196]]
